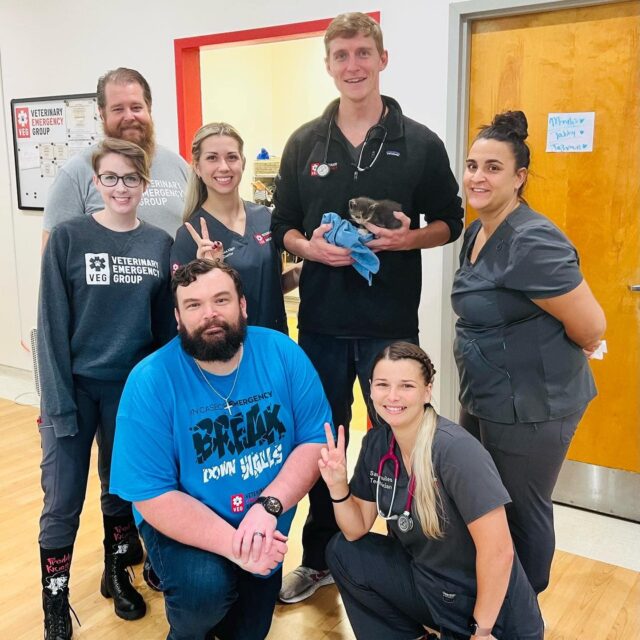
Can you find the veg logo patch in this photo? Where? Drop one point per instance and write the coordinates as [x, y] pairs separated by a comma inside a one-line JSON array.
[[97, 268], [263, 238], [23, 125], [237, 503]]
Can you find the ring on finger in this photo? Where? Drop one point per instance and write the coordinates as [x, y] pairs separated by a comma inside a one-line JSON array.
[[258, 533]]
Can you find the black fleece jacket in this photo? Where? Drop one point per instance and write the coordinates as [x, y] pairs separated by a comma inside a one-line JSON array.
[[412, 169]]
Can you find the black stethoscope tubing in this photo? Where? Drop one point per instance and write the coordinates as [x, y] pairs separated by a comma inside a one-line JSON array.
[[323, 169]]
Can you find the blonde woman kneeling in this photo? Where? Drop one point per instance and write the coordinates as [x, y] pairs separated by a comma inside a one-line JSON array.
[[448, 562]]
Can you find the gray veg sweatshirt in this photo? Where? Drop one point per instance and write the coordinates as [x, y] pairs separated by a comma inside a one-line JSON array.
[[105, 303]]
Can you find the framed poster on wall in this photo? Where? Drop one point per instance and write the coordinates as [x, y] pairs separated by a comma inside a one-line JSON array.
[[46, 133]]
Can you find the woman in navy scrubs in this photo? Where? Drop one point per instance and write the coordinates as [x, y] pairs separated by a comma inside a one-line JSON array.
[[448, 561], [235, 230], [528, 323]]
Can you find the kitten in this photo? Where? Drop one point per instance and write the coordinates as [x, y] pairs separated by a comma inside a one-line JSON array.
[[378, 212]]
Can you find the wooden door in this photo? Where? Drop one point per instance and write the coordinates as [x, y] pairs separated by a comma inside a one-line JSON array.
[[581, 60]]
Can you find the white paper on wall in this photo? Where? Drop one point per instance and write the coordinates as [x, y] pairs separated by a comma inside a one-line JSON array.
[[570, 132]]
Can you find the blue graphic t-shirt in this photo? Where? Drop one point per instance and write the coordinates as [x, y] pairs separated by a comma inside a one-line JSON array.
[[174, 433]]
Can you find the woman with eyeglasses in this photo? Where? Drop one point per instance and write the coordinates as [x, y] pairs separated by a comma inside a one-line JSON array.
[[105, 303], [448, 562], [222, 226]]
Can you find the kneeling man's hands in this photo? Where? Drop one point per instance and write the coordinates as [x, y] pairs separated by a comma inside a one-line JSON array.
[[256, 541], [266, 561]]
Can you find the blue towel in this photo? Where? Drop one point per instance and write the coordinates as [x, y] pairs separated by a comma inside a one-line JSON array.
[[345, 234]]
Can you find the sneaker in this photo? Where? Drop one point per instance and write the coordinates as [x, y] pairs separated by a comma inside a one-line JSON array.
[[150, 576], [302, 583]]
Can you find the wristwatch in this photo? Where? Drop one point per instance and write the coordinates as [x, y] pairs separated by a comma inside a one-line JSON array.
[[476, 630], [271, 505]]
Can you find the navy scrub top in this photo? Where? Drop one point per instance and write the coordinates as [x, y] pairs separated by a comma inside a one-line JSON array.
[[253, 255], [515, 361]]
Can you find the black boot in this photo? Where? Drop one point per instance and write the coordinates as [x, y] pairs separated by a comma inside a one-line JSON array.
[[57, 618], [116, 584], [135, 552]]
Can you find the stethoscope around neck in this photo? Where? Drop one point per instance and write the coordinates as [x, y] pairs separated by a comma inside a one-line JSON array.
[[405, 521], [323, 169]]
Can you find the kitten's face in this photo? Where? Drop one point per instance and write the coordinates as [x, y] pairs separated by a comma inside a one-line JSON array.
[[361, 210], [378, 212]]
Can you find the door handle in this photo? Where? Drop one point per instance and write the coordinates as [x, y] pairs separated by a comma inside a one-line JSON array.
[[634, 287]]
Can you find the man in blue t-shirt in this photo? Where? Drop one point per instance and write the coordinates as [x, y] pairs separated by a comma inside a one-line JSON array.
[[218, 437]]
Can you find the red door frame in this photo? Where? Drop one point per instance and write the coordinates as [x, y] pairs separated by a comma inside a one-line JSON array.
[[187, 57]]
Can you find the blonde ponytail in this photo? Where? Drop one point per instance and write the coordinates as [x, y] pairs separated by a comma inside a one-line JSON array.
[[195, 195], [426, 499]]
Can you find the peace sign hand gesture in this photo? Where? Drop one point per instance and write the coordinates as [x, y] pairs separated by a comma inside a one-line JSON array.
[[333, 462], [207, 249]]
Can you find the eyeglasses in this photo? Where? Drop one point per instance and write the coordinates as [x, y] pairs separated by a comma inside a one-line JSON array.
[[111, 179]]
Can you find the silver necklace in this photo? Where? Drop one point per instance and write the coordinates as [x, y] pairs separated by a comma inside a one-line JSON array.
[[227, 405]]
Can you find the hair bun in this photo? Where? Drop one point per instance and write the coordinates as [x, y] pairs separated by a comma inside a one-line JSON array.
[[513, 122]]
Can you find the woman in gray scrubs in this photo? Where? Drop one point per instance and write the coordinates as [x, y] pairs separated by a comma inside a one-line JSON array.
[[528, 323], [235, 230], [448, 561]]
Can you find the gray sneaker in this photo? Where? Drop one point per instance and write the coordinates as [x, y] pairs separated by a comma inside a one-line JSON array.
[[302, 583]]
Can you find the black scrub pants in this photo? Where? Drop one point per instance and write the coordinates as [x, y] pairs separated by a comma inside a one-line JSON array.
[[338, 361], [529, 456], [65, 463], [386, 596]]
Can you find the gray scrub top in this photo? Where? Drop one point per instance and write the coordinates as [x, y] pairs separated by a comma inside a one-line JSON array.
[[253, 255], [515, 361], [469, 487]]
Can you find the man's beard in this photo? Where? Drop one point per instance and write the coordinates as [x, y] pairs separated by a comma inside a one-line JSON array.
[[142, 134], [220, 347]]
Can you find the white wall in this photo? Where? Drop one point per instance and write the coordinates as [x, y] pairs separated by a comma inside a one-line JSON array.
[[255, 96], [10, 316], [62, 47]]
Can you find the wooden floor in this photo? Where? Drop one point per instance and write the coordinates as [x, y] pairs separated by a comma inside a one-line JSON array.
[[586, 599]]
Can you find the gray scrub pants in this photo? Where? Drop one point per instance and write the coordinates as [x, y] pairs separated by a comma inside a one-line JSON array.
[[387, 595], [65, 463], [528, 456]]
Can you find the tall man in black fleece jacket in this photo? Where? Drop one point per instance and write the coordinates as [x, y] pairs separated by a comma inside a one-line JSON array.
[[362, 145]]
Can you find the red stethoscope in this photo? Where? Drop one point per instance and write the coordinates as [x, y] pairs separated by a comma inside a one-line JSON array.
[[405, 521]]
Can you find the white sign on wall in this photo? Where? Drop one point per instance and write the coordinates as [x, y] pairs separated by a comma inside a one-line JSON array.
[[46, 133], [570, 132]]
